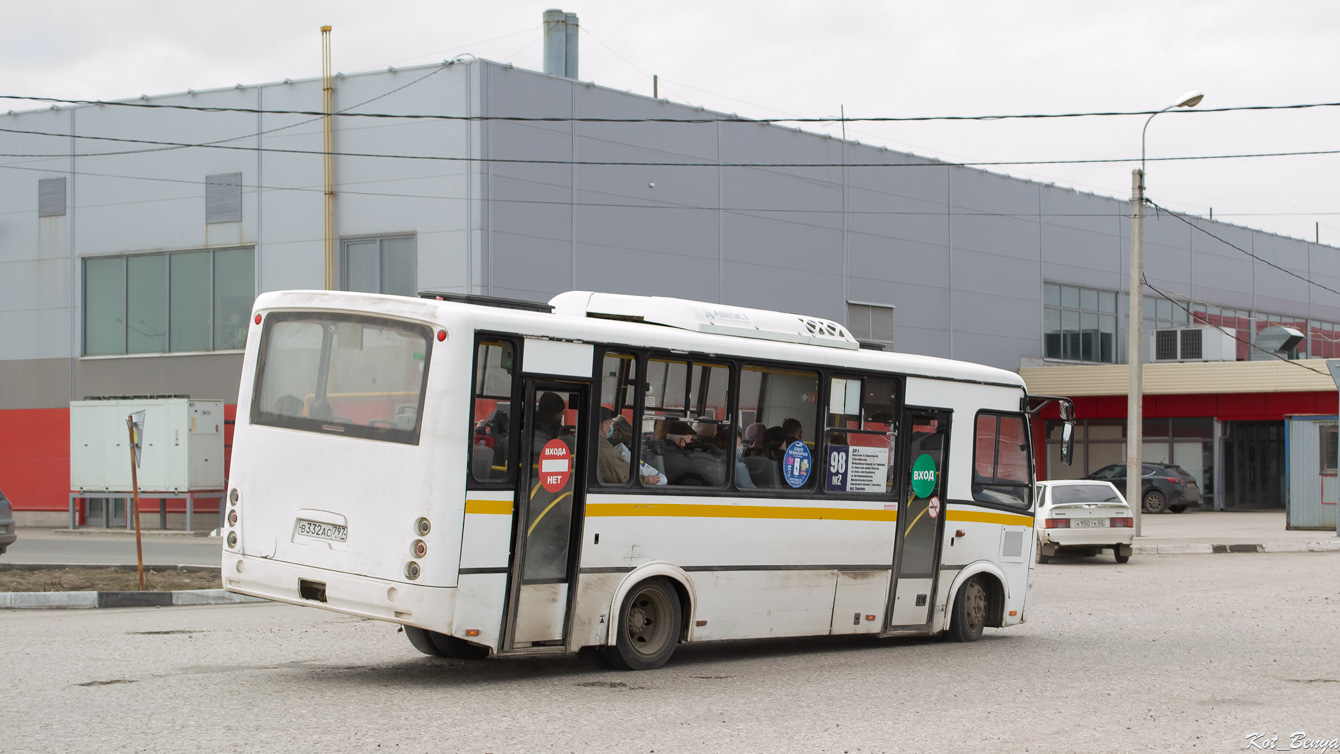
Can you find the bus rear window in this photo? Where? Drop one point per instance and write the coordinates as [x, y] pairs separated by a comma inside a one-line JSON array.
[[342, 374]]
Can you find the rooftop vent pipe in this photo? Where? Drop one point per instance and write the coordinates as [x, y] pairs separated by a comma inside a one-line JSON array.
[[560, 43]]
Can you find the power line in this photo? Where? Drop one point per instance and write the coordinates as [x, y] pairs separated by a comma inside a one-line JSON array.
[[927, 162], [704, 120], [1266, 262]]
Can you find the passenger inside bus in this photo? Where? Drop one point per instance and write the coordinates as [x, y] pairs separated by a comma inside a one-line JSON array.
[[288, 405], [690, 459], [623, 443], [722, 440], [611, 466], [550, 510], [488, 456], [753, 437], [549, 419], [765, 462]]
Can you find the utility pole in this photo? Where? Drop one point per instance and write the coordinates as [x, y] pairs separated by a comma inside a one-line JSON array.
[[1135, 350]]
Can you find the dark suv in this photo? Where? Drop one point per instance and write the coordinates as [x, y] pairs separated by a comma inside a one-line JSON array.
[[1163, 487], [7, 535]]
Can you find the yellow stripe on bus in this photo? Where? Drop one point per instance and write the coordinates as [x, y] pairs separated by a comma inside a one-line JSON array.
[[670, 510], [489, 507], [737, 511], [982, 517]]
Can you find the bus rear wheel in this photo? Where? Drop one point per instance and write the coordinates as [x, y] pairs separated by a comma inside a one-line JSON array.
[[969, 617], [435, 644], [650, 620]]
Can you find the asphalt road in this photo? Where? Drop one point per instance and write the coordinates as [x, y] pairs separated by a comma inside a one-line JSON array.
[[49, 547], [1166, 653]]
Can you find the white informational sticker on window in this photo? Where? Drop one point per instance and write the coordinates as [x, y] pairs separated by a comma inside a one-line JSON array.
[[868, 469]]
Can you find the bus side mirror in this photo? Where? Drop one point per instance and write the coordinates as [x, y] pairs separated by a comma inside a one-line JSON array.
[[1067, 410], [1068, 443]]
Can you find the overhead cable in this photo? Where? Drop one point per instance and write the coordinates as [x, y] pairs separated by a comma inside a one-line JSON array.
[[925, 162], [703, 120]]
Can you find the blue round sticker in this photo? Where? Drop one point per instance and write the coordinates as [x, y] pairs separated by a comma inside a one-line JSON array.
[[796, 464]]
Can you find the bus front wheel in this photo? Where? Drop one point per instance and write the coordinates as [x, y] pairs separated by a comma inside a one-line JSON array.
[[435, 644], [650, 620], [969, 617]]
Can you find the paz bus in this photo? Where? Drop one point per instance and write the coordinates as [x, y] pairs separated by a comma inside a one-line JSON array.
[[623, 473]]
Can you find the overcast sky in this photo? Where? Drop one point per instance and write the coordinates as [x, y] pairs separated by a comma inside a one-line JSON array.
[[809, 58]]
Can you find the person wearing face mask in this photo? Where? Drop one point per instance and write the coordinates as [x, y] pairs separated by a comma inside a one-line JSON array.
[[722, 440], [610, 463]]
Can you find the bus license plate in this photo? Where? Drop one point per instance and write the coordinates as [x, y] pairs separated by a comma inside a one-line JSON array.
[[1080, 523], [318, 530]]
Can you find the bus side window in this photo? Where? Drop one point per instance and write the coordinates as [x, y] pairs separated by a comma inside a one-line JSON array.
[[491, 417], [615, 449], [859, 431], [786, 402], [1000, 468]]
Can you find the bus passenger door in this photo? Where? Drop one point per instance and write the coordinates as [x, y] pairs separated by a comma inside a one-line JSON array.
[[921, 515], [549, 509]]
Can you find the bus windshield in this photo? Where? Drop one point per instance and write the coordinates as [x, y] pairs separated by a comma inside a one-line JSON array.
[[342, 374]]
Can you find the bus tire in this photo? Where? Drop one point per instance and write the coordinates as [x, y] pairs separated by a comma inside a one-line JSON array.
[[650, 621], [969, 617], [435, 644]]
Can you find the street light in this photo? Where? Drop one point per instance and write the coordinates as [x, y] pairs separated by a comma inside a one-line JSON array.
[[1135, 345]]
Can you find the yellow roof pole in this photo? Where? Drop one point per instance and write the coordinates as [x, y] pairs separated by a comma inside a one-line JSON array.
[[327, 98]]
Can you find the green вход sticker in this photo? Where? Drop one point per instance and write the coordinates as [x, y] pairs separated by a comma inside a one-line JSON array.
[[923, 475]]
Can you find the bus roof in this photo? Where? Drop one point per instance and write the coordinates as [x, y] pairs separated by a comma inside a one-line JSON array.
[[658, 322]]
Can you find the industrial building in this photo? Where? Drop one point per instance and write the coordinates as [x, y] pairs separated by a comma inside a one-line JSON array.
[[136, 235]]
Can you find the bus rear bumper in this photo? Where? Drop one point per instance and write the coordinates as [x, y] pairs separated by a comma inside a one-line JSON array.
[[396, 602]]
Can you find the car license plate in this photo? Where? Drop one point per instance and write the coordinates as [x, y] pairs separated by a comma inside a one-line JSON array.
[[318, 530], [1080, 523]]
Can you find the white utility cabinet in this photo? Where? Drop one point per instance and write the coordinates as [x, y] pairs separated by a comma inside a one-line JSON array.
[[182, 447]]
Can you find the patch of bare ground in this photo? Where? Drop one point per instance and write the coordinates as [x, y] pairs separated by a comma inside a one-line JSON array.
[[105, 579]]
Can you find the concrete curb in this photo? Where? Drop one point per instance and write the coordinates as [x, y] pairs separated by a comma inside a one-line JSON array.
[[85, 600], [1186, 548]]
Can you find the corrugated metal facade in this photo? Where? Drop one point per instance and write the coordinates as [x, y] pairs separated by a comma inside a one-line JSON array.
[[1314, 487], [943, 260]]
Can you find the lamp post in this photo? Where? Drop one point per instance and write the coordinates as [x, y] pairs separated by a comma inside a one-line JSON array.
[[1135, 344]]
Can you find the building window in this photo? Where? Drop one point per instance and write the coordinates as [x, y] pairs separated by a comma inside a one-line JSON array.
[[50, 197], [1079, 324], [870, 321], [1330, 434], [223, 198], [161, 303], [1323, 340], [379, 265]]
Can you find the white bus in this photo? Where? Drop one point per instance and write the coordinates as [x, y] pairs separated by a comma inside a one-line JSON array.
[[621, 472]]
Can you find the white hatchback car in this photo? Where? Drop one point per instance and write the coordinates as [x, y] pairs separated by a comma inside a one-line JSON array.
[[1082, 514]]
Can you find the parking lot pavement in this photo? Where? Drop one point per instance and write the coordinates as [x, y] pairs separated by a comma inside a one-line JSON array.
[[1199, 532]]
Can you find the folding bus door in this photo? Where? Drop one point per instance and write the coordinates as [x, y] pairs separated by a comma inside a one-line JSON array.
[[920, 518]]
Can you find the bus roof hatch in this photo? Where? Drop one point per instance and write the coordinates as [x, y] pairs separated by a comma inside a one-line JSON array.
[[701, 316]]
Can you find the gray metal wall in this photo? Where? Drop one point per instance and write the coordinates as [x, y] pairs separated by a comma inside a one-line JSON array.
[[961, 253], [1311, 496], [145, 198]]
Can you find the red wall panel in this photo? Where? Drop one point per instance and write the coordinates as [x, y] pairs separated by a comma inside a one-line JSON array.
[[35, 458], [1226, 406]]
